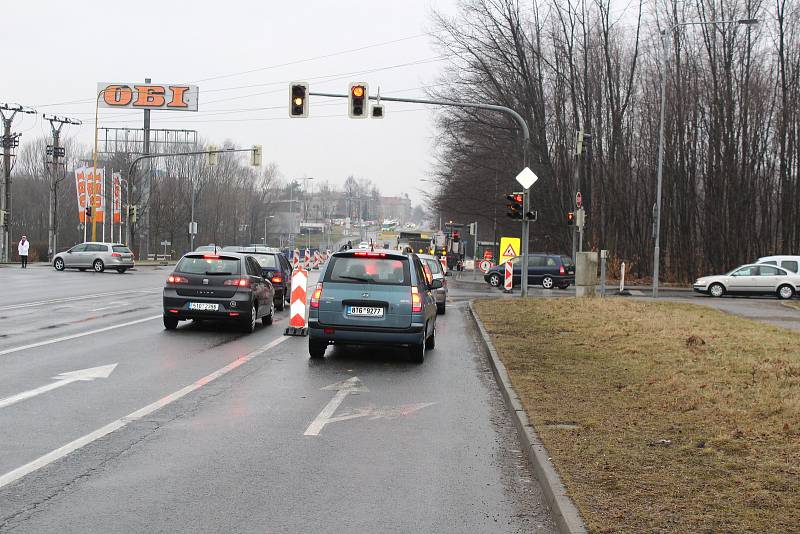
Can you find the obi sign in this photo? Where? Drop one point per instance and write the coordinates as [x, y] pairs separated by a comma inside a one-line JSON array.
[[174, 97]]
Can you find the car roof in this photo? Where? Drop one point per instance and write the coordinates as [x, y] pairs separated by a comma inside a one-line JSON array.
[[356, 252], [428, 257], [226, 253]]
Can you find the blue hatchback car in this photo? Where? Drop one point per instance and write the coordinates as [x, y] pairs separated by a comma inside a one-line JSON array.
[[380, 297]]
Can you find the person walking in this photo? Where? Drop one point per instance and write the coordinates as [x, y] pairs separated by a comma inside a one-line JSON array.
[[22, 248]]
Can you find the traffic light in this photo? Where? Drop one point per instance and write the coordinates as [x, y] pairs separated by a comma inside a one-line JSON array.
[[456, 236], [377, 111], [515, 206], [213, 156], [88, 213], [298, 106], [255, 156], [133, 214], [2, 218], [357, 99], [570, 218]]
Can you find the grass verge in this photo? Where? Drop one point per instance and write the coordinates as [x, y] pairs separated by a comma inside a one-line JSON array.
[[659, 417]]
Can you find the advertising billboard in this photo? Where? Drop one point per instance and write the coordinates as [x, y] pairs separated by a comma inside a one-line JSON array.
[[169, 97]]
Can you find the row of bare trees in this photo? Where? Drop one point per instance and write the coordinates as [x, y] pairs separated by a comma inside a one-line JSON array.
[[731, 189]]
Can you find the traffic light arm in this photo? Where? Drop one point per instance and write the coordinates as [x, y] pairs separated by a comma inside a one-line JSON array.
[[194, 153]]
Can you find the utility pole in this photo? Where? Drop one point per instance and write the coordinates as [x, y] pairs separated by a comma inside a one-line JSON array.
[[147, 182], [10, 142], [56, 151]]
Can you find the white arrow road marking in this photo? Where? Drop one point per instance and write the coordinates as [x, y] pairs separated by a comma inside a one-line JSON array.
[[388, 412], [63, 379], [343, 389], [74, 336]]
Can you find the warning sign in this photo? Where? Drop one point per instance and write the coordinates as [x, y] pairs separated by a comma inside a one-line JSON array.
[[509, 248]]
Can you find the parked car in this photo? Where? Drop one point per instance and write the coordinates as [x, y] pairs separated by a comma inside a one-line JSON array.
[[96, 256], [790, 263], [380, 297], [433, 265], [226, 286], [751, 279], [274, 267], [547, 270]]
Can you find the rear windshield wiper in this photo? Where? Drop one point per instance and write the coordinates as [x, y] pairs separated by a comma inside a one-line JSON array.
[[356, 278], [212, 273]]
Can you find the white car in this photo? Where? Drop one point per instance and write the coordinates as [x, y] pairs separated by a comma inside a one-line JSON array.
[[751, 279], [363, 245], [790, 263]]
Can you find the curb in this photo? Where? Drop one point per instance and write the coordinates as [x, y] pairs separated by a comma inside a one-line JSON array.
[[564, 511]]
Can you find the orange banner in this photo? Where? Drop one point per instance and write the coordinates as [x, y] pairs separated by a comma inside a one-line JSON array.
[[116, 198], [90, 185]]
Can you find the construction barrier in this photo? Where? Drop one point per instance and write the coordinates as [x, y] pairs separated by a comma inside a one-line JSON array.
[[443, 261], [297, 320], [508, 281], [316, 259], [296, 259], [307, 260]]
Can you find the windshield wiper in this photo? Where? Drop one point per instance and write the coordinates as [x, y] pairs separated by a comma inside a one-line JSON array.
[[357, 279], [213, 273]]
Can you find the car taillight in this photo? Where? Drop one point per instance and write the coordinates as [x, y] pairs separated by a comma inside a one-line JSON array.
[[210, 256], [561, 270], [116, 255], [416, 300], [316, 295], [240, 282], [371, 254], [277, 279], [175, 279]]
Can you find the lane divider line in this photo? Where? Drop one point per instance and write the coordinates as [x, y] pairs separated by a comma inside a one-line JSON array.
[[80, 334], [77, 297], [72, 446]]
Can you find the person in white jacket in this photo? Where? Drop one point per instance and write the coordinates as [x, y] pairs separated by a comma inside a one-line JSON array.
[[22, 248]]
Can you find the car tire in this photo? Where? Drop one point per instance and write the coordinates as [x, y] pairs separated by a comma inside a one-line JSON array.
[[430, 343], [98, 266], [716, 290], [316, 348], [563, 286], [249, 323], [417, 351], [267, 319], [494, 280], [58, 264], [121, 270], [170, 323], [280, 304], [441, 309], [785, 292], [547, 282]]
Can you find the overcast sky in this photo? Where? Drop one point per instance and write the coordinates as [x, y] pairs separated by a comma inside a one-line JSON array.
[[59, 50]]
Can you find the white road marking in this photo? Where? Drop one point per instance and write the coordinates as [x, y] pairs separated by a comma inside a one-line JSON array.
[[78, 297], [75, 336], [343, 389], [56, 454], [63, 379]]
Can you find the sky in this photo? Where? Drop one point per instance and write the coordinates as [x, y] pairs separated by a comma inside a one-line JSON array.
[[60, 50]]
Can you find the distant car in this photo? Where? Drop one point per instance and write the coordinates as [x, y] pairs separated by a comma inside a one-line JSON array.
[[96, 256], [380, 297], [751, 279], [274, 267], [547, 270], [363, 245], [790, 263], [208, 248], [225, 286], [433, 265]]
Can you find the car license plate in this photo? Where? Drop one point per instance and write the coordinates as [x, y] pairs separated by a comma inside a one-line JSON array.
[[364, 311], [203, 306]]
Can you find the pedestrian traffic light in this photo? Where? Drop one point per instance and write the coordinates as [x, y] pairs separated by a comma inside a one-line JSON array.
[[133, 214], [298, 106], [255, 156], [88, 213], [514, 206], [377, 111], [213, 156], [532, 215], [357, 99], [570, 218], [456, 236]]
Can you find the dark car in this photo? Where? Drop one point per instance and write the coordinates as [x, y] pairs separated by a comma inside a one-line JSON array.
[[547, 270], [274, 267], [225, 286], [379, 297]]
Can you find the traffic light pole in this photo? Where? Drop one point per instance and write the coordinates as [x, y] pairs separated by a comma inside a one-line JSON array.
[[526, 137]]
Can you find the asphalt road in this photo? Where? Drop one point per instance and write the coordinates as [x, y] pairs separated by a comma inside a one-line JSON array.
[[207, 429]]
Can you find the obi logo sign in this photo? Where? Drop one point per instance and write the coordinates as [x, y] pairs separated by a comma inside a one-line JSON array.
[[175, 97]]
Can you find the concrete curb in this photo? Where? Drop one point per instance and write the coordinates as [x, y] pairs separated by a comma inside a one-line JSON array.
[[564, 511]]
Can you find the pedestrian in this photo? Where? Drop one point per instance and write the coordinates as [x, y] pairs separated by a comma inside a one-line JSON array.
[[22, 248]]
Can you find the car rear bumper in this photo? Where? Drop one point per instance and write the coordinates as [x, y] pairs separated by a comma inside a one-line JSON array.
[[366, 336], [178, 306]]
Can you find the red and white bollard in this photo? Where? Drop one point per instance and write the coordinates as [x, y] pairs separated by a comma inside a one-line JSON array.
[[307, 260], [443, 261], [316, 259], [296, 259], [297, 320], [508, 281]]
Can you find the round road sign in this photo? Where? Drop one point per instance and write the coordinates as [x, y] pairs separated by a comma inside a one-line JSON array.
[[578, 199], [485, 265]]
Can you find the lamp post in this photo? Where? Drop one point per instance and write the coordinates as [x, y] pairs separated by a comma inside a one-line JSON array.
[[664, 55]]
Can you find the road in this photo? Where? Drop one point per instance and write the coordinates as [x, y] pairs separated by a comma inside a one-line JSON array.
[[112, 424]]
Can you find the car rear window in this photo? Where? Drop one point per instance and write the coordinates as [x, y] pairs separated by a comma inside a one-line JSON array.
[[369, 270], [208, 265], [122, 249], [266, 261], [433, 265], [790, 265], [566, 260]]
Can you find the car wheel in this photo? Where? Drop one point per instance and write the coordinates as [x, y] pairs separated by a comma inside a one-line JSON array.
[[785, 292], [494, 280], [58, 264], [98, 266], [267, 319], [430, 343], [249, 324], [170, 323], [716, 290], [563, 286], [280, 303], [121, 270], [441, 309], [547, 282], [316, 348], [417, 351]]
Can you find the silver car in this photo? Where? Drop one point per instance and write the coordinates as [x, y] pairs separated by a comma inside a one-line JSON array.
[[751, 279], [433, 263], [96, 256]]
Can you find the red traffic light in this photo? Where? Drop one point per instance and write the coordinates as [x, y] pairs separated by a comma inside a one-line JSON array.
[[570, 218]]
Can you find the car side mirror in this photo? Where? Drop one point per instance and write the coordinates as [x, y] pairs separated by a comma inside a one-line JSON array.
[[436, 284]]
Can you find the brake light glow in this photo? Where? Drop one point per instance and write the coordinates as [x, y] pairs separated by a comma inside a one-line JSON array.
[[233, 314], [316, 295], [370, 254], [211, 256], [416, 300], [561, 270], [116, 255], [277, 279], [240, 282], [173, 311], [175, 279]]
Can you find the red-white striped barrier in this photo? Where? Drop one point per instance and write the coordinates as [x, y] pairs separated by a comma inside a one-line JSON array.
[[297, 319], [443, 261], [509, 280], [295, 259], [307, 260], [316, 259]]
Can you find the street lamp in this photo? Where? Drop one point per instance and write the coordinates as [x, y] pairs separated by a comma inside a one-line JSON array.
[[664, 55]]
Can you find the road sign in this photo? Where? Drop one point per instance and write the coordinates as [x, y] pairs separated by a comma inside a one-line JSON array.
[[488, 254], [580, 218], [527, 178], [485, 265], [166, 243], [578, 199], [509, 248], [193, 228]]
